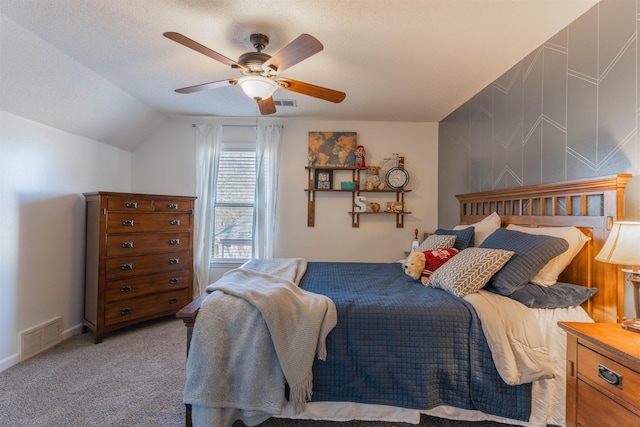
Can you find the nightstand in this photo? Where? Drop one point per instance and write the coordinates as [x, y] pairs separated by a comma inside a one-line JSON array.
[[603, 375]]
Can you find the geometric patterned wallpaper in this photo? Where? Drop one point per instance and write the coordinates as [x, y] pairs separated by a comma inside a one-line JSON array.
[[569, 110]]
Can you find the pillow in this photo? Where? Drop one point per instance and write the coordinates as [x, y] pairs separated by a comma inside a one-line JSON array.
[[464, 238], [436, 242], [531, 253], [560, 295], [434, 259], [548, 275], [469, 271], [483, 228]]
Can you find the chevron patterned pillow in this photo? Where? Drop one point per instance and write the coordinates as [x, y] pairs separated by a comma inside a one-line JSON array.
[[469, 271]]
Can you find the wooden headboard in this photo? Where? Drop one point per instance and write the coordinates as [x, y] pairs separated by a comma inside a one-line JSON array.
[[589, 204]]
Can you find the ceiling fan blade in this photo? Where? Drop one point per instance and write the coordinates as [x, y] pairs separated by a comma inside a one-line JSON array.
[[296, 51], [267, 106], [312, 90], [192, 44], [207, 86]]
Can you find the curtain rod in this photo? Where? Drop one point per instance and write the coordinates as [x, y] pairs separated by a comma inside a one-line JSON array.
[[236, 126]]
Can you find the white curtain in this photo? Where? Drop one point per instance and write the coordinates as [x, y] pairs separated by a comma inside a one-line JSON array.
[[266, 200], [208, 143]]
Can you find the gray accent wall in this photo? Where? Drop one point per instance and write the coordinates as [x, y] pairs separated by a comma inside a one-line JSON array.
[[569, 110]]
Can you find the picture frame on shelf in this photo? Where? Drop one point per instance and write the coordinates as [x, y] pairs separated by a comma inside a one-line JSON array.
[[323, 179]]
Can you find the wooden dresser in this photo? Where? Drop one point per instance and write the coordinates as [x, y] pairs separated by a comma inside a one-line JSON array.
[[603, 375], [139, 258]]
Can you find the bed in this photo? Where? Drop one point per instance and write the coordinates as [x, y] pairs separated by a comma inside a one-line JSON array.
[[457, 364]]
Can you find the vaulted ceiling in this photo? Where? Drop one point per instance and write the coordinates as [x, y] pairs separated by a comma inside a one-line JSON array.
[[103, 70]]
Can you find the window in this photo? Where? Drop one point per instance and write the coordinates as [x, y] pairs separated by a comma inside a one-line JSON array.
[[234, 203]]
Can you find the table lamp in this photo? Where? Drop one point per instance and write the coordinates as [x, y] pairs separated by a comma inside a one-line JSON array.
[[623, 248]]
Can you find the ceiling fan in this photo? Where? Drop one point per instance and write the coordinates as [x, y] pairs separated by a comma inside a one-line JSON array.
[[260, 71]]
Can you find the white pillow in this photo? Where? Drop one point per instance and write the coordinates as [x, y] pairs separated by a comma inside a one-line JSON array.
[[483, 228], [548, 275]]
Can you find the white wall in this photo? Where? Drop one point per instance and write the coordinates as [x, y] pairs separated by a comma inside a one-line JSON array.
[[164, 164], [43, 173]]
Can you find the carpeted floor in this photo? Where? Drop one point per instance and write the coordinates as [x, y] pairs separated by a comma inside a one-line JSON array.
[[133, 378]]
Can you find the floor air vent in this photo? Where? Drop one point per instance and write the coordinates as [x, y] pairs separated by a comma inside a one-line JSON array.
[[40, 338]]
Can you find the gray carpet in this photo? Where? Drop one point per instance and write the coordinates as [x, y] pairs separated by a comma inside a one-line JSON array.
[[134, 378]]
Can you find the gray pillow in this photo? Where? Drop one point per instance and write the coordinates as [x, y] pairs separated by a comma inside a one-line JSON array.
[[531, 253], [464, 238], [559, 295]]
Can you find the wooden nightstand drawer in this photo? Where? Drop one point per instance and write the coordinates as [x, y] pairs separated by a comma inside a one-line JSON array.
[[608, 376], [133, 244], [597, 410]]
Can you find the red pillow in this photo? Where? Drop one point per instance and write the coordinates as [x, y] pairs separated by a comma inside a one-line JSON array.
[[435, 258]]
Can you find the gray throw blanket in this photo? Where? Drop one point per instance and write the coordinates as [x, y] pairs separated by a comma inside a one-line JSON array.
[[256, 329]]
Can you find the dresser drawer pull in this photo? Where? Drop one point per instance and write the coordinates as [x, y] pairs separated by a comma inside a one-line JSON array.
[[174, 241], [126, 266], [127, 223], [125, 289], [610, 376], [132, 205], [173, 280], [173, 300], [125, 311], [127, 245], [174, 261], [173, 206], [174, 222]]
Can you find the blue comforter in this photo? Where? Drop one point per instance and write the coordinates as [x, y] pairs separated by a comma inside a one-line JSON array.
[[403, 344]]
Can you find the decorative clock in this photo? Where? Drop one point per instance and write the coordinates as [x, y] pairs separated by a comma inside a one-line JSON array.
[[397, 178]]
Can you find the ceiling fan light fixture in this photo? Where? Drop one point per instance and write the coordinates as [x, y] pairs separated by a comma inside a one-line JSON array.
[[257, 87]]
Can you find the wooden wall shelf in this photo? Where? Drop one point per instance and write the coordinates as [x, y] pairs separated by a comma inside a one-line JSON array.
[[355, 177]]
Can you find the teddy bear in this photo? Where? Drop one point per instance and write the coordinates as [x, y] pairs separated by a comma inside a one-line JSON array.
[[421, 265]]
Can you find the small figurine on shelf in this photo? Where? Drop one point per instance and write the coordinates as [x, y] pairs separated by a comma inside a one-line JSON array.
[[360, 156]]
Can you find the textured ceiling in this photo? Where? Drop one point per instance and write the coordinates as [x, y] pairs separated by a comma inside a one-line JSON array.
[[103, 70]]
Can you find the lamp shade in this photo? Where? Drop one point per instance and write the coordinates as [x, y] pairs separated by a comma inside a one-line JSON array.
[[623, 244], [257, 87]]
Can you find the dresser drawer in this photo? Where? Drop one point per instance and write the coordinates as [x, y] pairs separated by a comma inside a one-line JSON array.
[[597, 410], [172, 205], [143, 222], [117, 290], [134, 243], [609, 376], [136, 265], [132, 204], [131, 309]]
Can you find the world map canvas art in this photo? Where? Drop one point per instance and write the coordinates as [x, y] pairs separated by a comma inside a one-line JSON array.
[[332, 148]]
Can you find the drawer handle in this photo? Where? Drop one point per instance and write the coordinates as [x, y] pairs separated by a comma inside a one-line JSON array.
[[125, 289], [127, 223], [610, 376], [174, 222], [173, 280], [126, 266], [174, 241], [174, 261], [127, 245], [173, 206], [173, 300], [125, 311], [132, 205]]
